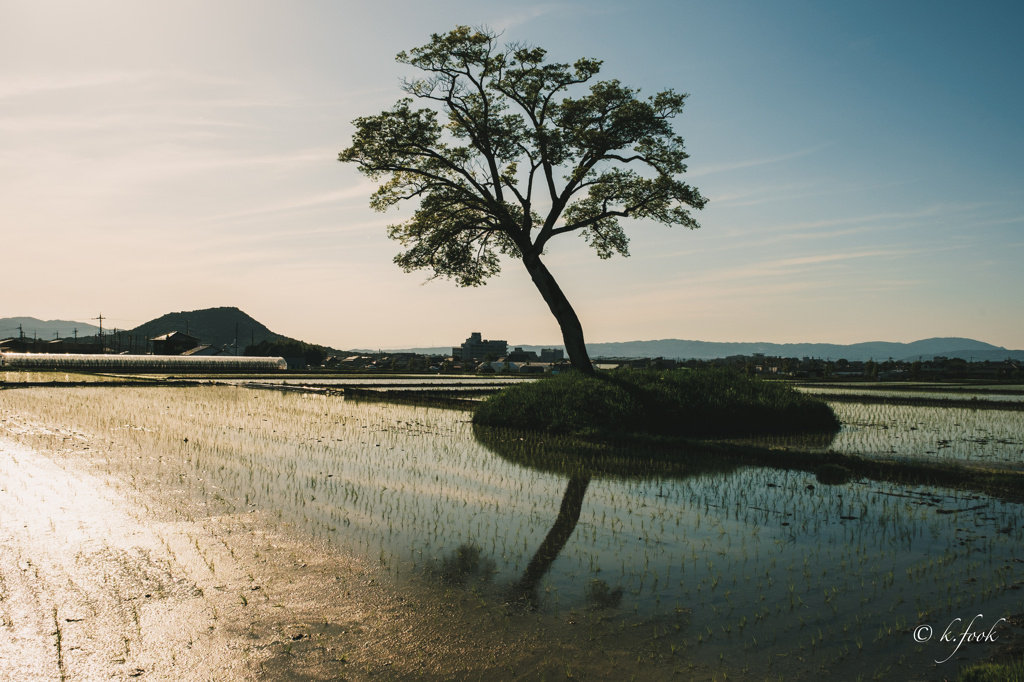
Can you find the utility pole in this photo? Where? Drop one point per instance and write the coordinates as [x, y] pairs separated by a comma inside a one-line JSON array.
[[100, 318]]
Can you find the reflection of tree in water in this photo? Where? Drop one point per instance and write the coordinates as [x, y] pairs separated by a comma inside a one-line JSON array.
[[465, 563], [598, 593], [561, 531], [580, 462]]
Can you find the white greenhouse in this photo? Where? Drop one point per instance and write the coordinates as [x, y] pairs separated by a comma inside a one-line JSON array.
[[139, 363]]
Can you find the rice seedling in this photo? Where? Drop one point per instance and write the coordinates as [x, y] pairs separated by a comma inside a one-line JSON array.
[[682, 557], [986, 437]]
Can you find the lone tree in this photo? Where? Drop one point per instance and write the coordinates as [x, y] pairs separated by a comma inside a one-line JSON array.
[[505, 160]]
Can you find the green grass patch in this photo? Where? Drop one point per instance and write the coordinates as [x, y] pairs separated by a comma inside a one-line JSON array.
[[684, 403], [993, 672]]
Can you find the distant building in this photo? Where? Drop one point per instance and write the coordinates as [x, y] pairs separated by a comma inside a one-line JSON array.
[[475, 347], [520, 355], [174, 343], [551, 355]]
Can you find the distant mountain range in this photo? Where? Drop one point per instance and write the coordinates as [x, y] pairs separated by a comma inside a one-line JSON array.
[[926, 349], [218, 326], [44, 329], [873, 350]]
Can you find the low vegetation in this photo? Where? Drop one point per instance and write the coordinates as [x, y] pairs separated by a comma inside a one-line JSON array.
[[993, 672], [682, 403], [288, 348]]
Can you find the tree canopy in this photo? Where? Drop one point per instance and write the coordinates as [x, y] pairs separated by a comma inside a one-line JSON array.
[[502, 159], [287, 348]]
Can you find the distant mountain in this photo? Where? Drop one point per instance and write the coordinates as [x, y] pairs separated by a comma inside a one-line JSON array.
[[877, 350], [44, 329], [952, 347], [212, 325]]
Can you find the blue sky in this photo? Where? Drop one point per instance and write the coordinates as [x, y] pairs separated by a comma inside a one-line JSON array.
[[862, 161]]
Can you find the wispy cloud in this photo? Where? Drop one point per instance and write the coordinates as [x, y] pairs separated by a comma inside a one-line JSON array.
[[828, 258], [522, 16], [789, 266], [708, 170], [44, 84], [363, 189]]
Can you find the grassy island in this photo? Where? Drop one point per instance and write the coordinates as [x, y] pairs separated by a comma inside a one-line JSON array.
[[675, 403]]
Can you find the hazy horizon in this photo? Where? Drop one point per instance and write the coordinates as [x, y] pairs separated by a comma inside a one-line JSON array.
[[864, 174], [550, 344]]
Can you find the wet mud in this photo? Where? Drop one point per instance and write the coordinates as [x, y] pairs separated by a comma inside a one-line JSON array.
[[99, 582]]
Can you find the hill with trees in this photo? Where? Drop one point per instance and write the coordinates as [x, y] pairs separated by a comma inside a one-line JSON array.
[[217, 326]]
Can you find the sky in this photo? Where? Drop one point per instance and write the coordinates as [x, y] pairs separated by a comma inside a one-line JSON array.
[[862, 162]]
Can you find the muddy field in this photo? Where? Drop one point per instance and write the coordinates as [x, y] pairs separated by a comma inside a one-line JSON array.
[[105, 576], [224, 533]]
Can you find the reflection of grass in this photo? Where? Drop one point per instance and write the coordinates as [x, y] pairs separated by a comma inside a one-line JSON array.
[[833, 474], [571, 456], [467, 562], [600, 595], [679, 458], [671, 403]]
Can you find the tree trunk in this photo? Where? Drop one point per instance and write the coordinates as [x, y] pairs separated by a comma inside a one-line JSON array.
[[572, 330]]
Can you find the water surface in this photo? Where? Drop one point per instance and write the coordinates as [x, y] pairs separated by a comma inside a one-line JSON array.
[[693, 565]]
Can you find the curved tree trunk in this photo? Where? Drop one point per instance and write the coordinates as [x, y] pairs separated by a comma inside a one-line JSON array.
[[572, 330], [561, 531]]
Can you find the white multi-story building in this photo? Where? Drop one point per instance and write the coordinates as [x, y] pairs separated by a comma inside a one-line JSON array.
[[476, 347]]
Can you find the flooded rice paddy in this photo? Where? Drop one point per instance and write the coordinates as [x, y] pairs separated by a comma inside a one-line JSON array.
[[416, 545], [982, 437], [992, 394]]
